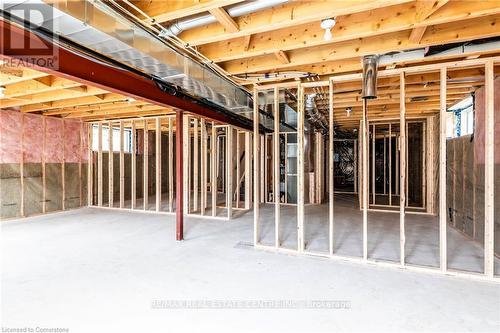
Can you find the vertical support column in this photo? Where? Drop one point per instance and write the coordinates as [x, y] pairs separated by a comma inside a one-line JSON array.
[[22, 166], [385, 166], [256, 167], [390, 165], [331, 164], [99, 165], [179, 214], [300, 169], [63, 173], [158, 163], [276, 168], [195, 164], [489, 189], [133, 175], [442, 172], [122, 168], [145, 184], [213, 169], [111, 189], [229, 171], [238, 154], [170, 165], [44, 181], [373, 165], [356, 171], [90, 165], [185, 147], [80, 153], [365, 179], [262, 167], [203, 204], [248, 169], [402, 161]]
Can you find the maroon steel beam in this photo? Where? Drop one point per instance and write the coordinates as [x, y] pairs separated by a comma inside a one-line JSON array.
[[179, 226], [85, 70]]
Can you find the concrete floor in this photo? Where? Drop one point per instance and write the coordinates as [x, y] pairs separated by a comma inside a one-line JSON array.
[[95, 270]]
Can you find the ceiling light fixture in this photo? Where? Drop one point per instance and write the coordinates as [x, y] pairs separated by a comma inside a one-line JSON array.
[[328, 24]]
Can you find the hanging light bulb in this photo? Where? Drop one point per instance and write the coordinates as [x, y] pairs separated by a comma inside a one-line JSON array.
[[348, 110], [328, 24]]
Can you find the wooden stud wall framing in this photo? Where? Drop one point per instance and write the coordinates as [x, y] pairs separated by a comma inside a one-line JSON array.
[[122, 168], [145, 168], [331, 164], [403, 158], [489, 180], [442, 173], [110, 165], [276, 168]]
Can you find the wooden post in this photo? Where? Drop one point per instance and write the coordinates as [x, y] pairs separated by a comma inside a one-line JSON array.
[[63, 171], [365, 179], [390, 164], [248, 170], [442, 172], [203, 185], [489, 187], [80, 194], [276, 168], [133, 158], [99, 165], [122, 168], [300, 169], [22, 166], [238, 154], [145, 191], [185, 147], [402, 161], [356, 171], [331, 162], [110, 165], [256, 167], [229, 171], [170, 164], [373, 165], [179, 216], [195, 164], [385, 166], [90, 165], [262, 168], [44, 181], [158, 164], [213, 169]]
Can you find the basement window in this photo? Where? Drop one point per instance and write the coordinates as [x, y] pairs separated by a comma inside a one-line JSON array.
[[460, 118], [127, 139]]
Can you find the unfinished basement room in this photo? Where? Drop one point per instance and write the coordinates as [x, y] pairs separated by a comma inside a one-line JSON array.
[[250, 166]]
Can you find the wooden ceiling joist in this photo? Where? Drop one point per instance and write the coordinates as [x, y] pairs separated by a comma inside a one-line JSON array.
[[360, 25], [398, 41]]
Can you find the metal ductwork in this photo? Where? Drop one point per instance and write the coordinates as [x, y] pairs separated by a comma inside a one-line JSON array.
[[314, 116], [234, 11], [97, 27], [370, 67]]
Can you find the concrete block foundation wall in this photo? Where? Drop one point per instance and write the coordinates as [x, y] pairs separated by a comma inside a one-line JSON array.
[[43, 164]]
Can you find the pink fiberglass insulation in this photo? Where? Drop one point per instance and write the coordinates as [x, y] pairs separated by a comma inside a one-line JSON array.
[[10, 136], [53, 140], [32, 138], [85, 141], [72, 144]]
